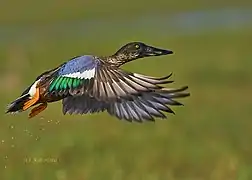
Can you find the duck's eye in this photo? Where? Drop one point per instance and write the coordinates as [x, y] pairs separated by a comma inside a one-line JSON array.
[[137, 46]]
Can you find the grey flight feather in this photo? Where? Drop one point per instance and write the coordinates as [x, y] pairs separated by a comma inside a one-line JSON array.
[[138, 108]]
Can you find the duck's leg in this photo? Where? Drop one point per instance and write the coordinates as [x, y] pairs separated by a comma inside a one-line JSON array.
[[32, 101], [35, 111]]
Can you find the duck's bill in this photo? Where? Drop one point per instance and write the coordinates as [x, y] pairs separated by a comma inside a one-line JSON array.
[[152, 51]]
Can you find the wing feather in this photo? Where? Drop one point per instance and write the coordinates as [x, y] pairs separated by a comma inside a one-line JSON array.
[[141, 107], [111, 83]]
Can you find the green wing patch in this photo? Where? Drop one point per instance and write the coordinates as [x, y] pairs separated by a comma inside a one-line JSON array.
[[62, 83]]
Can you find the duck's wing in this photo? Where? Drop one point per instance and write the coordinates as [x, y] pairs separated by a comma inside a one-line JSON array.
[[96, 78], [111, 83], [148, 106], [144, 106], [83, 105]]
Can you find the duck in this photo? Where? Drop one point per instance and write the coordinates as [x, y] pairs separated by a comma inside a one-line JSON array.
[[90, 84]]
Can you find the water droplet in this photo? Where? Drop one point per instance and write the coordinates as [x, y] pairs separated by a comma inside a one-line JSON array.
[[57, 122], [5, 158], [42, 118], [49, 121], [28, 132], [41, 127], [37, 138], [11, 127], [12, 146], [2, 141], [12, 138]]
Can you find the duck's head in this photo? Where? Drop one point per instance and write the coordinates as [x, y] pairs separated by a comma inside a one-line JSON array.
[[136, 50]]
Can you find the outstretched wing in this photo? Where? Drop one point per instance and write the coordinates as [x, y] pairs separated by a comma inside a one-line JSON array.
[[111, 83], [96, 78], [147, 106], [139, 107]]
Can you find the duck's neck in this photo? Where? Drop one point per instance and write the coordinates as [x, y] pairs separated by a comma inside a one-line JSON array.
[[120, 59]]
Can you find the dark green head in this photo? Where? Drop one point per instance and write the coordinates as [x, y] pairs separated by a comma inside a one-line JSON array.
[[136, 50]]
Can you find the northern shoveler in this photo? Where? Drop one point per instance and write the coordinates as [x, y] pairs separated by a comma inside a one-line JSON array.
[[89, 84]]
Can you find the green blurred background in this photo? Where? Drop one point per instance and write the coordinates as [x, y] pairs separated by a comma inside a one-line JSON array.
[[208, 138]]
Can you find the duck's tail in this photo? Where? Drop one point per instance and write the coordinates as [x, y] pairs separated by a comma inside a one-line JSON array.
[[19, 104]]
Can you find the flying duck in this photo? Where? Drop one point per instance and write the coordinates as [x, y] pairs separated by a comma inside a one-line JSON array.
[[91, 84]]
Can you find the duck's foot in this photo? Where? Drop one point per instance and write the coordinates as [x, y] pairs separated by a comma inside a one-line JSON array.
[[32, 101], [35, 111]]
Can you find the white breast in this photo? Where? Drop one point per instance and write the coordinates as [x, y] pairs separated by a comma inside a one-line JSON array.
[[32, 90]]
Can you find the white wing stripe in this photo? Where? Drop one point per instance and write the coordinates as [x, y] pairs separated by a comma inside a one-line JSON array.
[[88, 74]]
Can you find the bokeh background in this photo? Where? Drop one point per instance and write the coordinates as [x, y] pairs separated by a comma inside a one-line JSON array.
[[208, 138]]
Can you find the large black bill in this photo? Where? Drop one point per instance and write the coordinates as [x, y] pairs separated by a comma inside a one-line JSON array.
[[152, 51]]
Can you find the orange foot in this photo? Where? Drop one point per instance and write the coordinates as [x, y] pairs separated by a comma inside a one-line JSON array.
[[32, 101], [35, 111]]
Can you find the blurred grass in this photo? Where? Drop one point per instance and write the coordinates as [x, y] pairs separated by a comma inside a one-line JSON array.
[[21, 12], [209, 138]]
